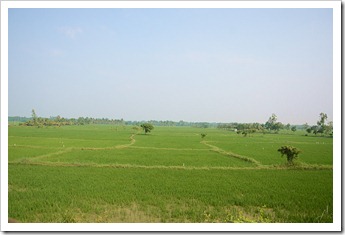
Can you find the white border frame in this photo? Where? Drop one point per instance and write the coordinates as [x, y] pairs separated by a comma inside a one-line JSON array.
[[335, 226]]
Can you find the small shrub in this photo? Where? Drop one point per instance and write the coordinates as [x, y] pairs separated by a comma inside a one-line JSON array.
[[147, 127], [290, 152]]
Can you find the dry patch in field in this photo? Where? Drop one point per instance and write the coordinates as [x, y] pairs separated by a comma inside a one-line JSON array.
[[105, 213]]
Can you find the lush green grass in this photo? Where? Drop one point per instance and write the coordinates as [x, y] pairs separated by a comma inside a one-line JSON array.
[[171, 137], [48, 193], [149, 157], [69, 136], [18, 152], [263, 147], [113, 174]]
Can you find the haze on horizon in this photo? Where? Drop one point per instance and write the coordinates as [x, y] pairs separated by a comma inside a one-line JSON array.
[[213, 65]]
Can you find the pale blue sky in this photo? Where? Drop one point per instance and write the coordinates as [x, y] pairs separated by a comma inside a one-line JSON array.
[[216, 65]]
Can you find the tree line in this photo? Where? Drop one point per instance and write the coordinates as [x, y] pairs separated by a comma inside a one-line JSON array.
[[61, 121], [273, 126], [173, 123]]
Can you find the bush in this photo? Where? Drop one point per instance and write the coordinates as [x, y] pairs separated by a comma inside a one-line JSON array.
[[290, 152], [147, 127]]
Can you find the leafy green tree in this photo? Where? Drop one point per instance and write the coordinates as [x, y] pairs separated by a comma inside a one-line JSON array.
[[311, 129], [290, 152], [293, 128], [277, 126], [273, 125], [147, 127], [329, 128], [271, 121], [321, 124], [203, 135], [316, 129], [323, 118], [34, 117]]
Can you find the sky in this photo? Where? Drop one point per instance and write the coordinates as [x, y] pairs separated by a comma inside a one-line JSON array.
[[213, 65]]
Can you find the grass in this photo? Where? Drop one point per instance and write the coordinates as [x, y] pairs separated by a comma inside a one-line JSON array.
[[148, 157], [163, 195], [264, 147], [112, 174]]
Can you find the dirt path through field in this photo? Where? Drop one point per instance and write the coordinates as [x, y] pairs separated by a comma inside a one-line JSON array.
[[230, 154], [96, 165], [67, 150], [164, 148]]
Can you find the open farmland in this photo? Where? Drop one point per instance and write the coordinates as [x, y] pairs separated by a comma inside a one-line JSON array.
[[104, 173]]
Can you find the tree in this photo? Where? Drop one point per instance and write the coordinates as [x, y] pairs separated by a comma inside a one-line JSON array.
[[277, 126], [203, 135], [323, 118], [329, 128], [314, 129], [147, 127], [273, 125], [271, 121], [293, 128], [290, 152], [321, 123], [34, 117]]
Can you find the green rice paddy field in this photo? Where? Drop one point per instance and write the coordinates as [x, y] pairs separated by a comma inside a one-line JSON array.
[[102, 173]]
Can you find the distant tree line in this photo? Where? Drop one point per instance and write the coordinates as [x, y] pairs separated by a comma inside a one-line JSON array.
[[61, 121], [273, 126], [321, 126], [18, 119], [243, 128], [172, 123]]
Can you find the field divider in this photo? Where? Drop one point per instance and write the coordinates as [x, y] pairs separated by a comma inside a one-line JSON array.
[[231, 154], [121, 146], [32, 146], [67, 150], [127, 145], [96, 165], [134, 166], [163, 148]]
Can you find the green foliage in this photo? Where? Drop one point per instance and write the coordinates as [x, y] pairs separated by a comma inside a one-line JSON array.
[[293, 128], [321, 127], [61, 121], [34, 117], [290, 152], [245, 132], [322, 121], [203, 135], [136, 128], [147, 127], [273, 125]]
